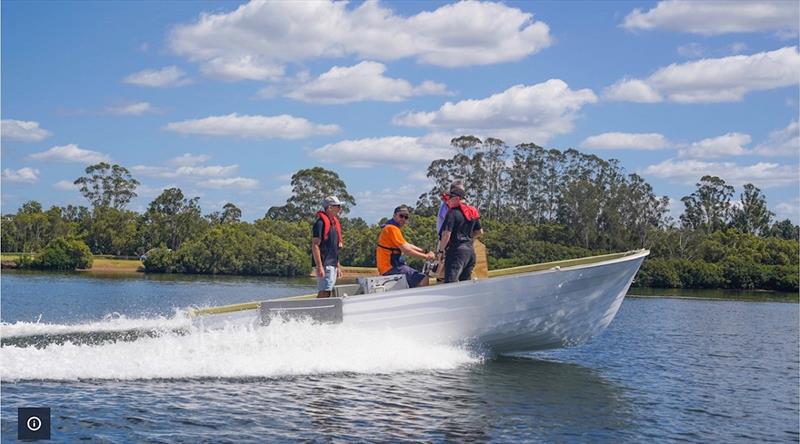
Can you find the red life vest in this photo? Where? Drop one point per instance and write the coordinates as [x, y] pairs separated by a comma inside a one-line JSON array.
[[326, 227], [470, 212]]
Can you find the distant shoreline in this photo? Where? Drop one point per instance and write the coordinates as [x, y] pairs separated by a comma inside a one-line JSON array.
[[108, 265]]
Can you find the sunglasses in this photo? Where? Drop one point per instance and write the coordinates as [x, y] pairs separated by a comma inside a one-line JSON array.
[[403, 216]]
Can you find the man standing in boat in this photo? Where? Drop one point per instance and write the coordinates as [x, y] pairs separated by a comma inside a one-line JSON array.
[[392, 246], [326, 240], [461, 226]]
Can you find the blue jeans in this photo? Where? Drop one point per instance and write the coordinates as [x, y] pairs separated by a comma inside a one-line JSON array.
[[327, 282]]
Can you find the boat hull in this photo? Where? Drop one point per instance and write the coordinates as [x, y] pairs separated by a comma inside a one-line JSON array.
[[531, 311]]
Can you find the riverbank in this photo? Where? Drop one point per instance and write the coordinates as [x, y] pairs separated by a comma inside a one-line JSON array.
[[100, 264], [104, 265], [109, 264], [714, 294]]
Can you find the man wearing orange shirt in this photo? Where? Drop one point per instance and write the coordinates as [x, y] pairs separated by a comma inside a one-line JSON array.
[[392, 246]]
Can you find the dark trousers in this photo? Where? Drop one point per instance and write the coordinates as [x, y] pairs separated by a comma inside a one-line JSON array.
[[458, 263]]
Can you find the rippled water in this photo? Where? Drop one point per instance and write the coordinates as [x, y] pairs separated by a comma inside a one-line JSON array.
[[665, 370]]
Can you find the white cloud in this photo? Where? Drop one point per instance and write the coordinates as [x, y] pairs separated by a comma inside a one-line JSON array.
[[632, 90], [66, 185], [22, 175], [239, 183], [691, 50], [70, 153], [521, 113], [386, 151], [284, 177], [133, 109], [160, 78], [364, 81], [188, 159], [26, 131], [243, 67], [717, 17], [275, 33], [737, 47], [788, 210], [630, 141], [730, 144], [762, 174], [419, 176], [378, 203], [186, 171], [284, 191], [783, 142], [283, 126], [725, 79], [146, 191]]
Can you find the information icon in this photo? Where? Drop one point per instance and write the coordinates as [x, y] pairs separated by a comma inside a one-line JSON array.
[[34, 423]]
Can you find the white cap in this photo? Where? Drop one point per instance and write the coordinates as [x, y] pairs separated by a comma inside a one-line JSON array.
[[330, 200]]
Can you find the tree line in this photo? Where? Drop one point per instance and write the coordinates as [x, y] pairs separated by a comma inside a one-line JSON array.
[[537, 205]]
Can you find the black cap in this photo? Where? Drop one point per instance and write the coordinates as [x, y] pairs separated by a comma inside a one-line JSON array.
[[457, 192], [402, 209]]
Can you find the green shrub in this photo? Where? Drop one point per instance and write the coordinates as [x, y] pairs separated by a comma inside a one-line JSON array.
[[698, 274], [64, 254], [159, 260], [659, 273], [221, 250], [781, 277], [229, 249], [274, 256], [742, 273]]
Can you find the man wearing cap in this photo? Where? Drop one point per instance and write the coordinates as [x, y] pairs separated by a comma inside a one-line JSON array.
[[392, 246], [461, 226], [326, 240], [444, 208]]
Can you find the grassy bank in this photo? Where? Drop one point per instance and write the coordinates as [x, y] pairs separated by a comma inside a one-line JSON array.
[[109, 264], [101, 264]]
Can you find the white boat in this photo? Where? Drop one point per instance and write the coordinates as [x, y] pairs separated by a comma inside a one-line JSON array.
[[518, 309]]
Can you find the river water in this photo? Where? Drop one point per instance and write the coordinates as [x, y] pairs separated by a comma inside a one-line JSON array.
[[666, 370]]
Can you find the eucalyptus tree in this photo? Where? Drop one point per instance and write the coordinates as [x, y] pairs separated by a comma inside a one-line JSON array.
[[441, 172], [114, 231], [32, 225], [309, 187], [785, 229], [752, 216], [480, 164], [641, 211], [552, 183], [525, 194], [107, 185], [709, 207], [583, 196], [230, 213], [171, 219], [496, 178]]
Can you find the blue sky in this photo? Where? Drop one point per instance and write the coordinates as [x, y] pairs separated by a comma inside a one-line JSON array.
[[227, 100]]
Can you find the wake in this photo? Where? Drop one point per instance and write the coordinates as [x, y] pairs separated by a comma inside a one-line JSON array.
[[121, 348]]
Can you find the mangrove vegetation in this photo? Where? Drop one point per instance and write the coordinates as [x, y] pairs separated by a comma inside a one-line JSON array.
[[537, 205]]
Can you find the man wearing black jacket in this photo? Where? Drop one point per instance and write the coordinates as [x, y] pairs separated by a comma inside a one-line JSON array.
[[461, 226]]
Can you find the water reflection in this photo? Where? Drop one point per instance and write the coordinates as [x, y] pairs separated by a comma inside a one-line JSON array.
[[506, 400]]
